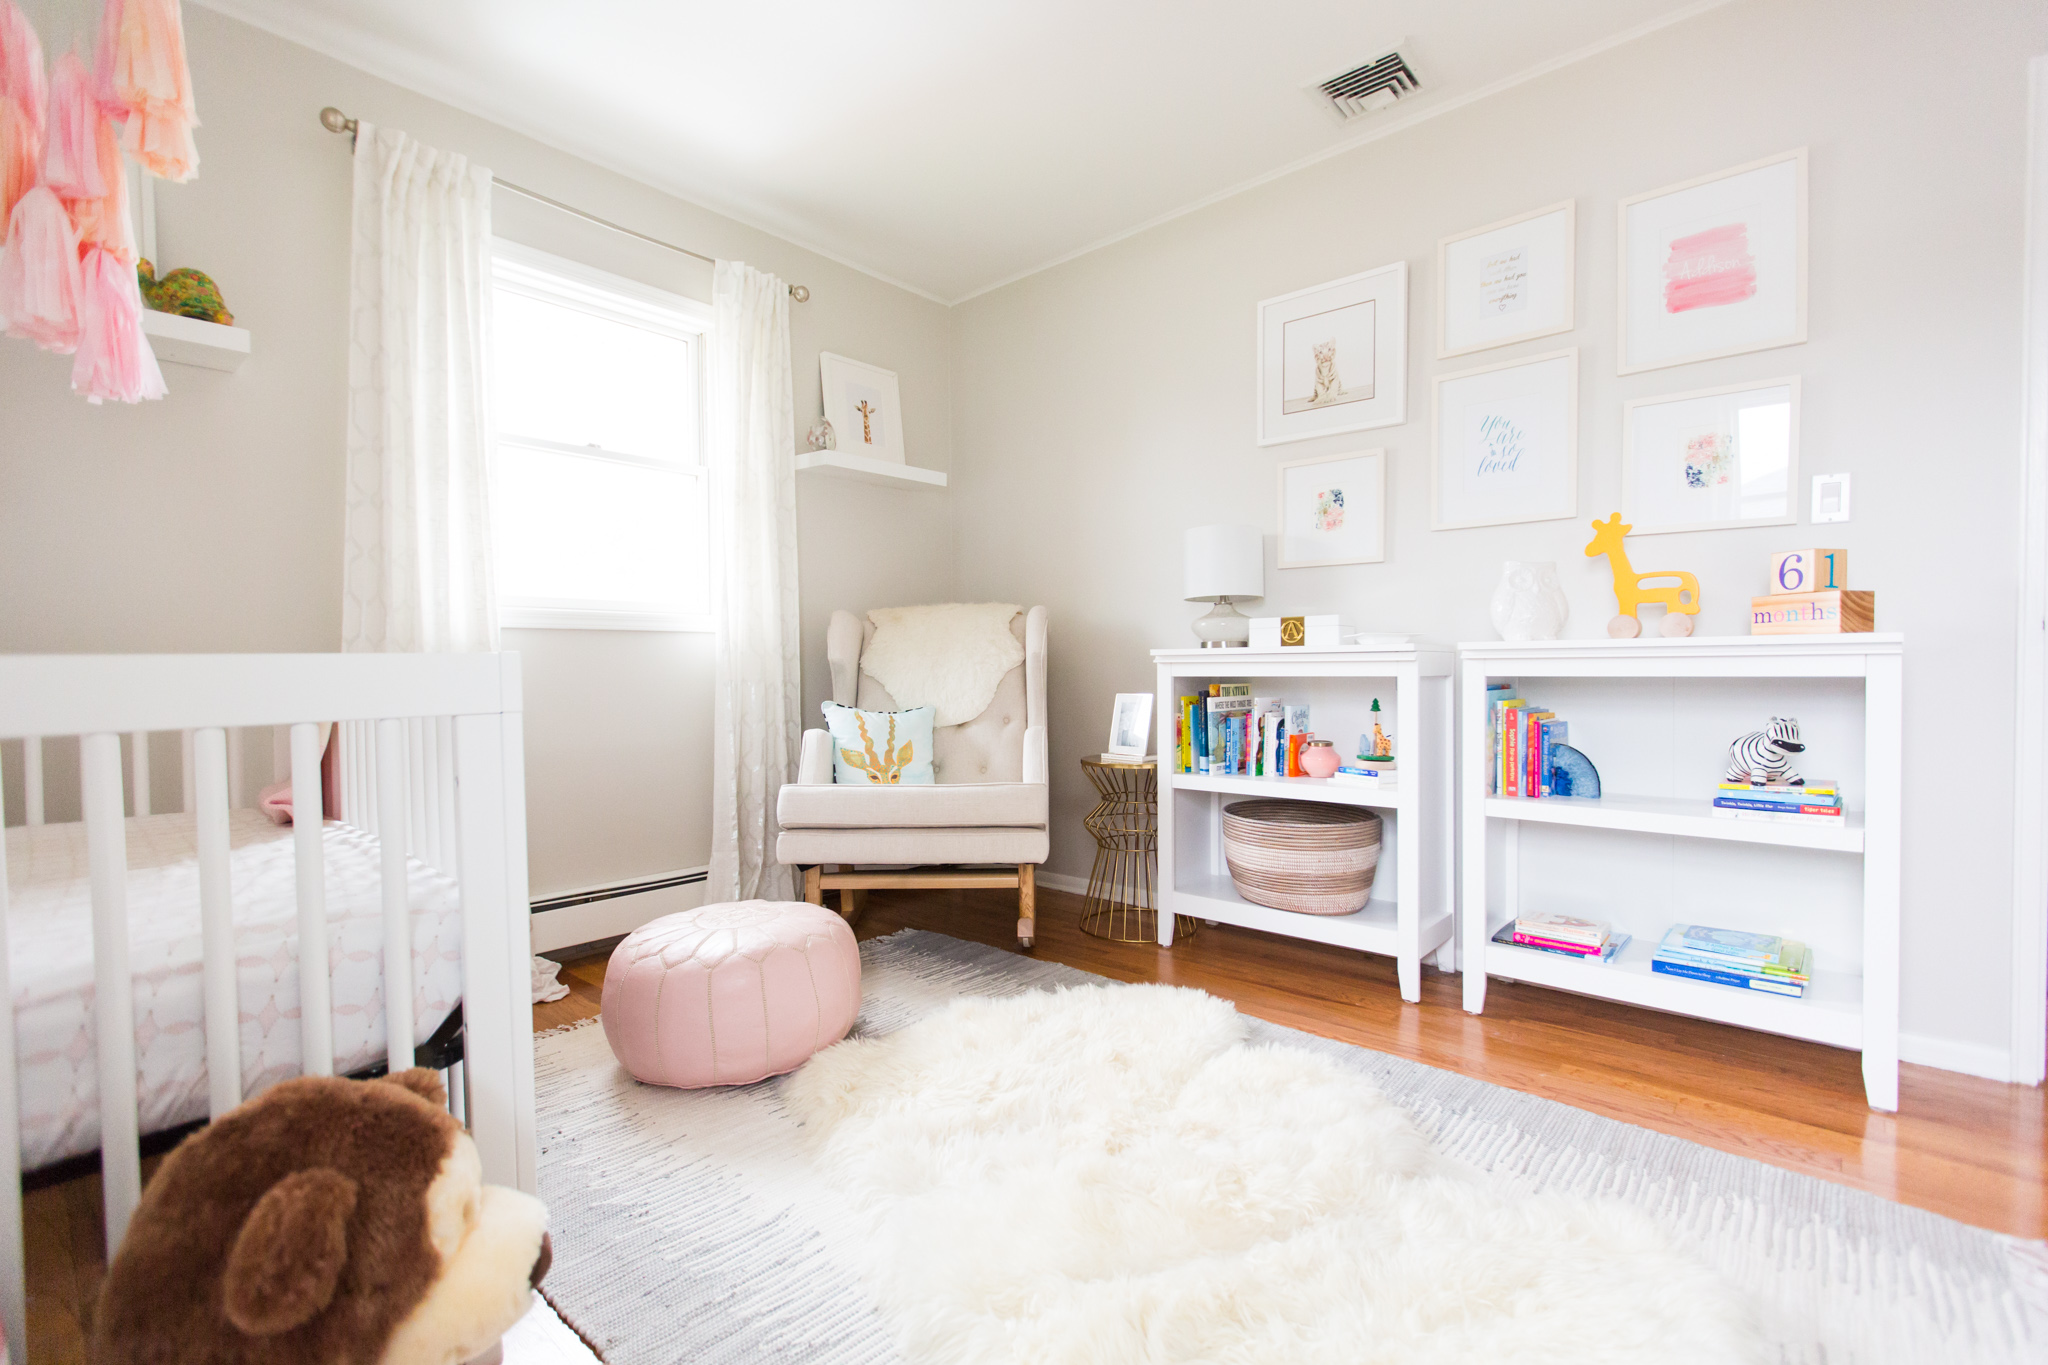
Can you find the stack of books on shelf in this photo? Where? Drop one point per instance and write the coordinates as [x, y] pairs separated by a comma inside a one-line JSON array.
[[1589, 940], [1818, 802], [1732, 957], [1523, 739], [1228, 732]]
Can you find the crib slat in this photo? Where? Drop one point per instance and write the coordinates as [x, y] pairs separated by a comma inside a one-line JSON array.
[[438, 838], [191, 806], [32, 779], [415, 772], [444, 792], [234, 769], [398, 1020], [106, 841], [217, 923], [316, 1000], [138, 770], [13, 1283]]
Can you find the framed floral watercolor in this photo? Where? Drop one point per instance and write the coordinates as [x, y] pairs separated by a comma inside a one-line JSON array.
[[1333, 510], [1712, 459], [1714, 267], [864, 407], [1334, 357], [1506, 443], [1509, 281]]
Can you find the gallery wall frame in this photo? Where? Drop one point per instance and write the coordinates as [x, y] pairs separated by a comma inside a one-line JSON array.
[[1658, 459], [1521, 270], [1504, 443], [1332, 510], [1333, 358], [1712, 267]]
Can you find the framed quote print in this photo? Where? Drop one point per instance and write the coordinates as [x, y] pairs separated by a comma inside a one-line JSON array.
[[1509, 281], [1506, 445], [1712, 459], [1333, 510], [1714, 267], [1334, 357]]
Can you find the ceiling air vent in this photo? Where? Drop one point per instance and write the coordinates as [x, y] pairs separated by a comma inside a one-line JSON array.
[[1369, 88]]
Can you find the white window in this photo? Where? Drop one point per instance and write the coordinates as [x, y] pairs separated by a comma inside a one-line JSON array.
[[597, 489]]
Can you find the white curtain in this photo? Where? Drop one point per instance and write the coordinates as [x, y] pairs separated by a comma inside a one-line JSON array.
[[417, 575], [751, 468]]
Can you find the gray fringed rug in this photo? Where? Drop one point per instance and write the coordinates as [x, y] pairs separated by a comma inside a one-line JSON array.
[[688, 1226]]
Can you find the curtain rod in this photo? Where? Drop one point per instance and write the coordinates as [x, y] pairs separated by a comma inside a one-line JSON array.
[[334, 121]]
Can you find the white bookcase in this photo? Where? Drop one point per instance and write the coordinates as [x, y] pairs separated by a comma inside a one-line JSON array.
[[1655, 717], [1410, 914]]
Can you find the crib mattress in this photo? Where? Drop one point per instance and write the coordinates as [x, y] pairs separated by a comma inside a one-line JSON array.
[[49, 935]]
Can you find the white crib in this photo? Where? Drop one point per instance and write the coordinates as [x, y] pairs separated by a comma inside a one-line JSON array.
[[429, 760]]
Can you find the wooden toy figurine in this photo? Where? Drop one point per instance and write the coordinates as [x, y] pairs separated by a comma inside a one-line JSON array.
[[1681, 600]]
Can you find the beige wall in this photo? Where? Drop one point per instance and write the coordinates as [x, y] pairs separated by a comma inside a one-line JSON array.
[[1102, 406], [212, 520]]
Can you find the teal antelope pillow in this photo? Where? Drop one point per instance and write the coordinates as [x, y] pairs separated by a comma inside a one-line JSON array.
[[881, 748]]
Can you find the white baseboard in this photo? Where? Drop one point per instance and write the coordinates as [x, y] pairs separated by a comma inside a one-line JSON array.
[[621, 912], [1060, 881], [1971, 1059]]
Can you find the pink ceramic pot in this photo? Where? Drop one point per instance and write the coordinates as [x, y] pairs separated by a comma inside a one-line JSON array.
[[1319, 758]]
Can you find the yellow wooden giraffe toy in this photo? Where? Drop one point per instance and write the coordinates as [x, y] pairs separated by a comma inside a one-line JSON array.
[[1681, 600]]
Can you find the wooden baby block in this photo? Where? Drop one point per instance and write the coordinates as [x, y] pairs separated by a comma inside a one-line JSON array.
[[1809, 571]]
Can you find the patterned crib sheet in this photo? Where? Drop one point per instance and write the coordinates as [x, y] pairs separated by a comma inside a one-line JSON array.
[[49, 935]]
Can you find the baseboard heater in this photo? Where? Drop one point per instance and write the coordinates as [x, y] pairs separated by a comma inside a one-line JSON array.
[[596, 913]]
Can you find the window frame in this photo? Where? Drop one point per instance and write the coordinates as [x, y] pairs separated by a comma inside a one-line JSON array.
[[571, 284]]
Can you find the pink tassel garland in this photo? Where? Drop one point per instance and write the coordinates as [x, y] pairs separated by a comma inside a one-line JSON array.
[[151, 81], [103, 221], [114, 360], [71, 160], [40, 285], [21, 107]]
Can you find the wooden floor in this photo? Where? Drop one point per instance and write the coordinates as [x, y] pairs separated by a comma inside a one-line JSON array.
[[1972, 1150]]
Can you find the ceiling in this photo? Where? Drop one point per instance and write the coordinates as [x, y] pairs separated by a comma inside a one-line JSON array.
[[945, 145]]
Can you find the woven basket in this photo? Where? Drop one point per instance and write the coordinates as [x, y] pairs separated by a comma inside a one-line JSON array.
[[1304, 856]]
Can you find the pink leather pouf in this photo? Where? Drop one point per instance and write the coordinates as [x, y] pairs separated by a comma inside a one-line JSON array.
[[730, 994]]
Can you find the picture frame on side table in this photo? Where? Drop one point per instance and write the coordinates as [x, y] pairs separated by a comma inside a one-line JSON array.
[[864, 405], [1712, 459], [1334, 357], [1505, 443], [1333, 510], [1510, 281], [1713, 267], [1130, 726]]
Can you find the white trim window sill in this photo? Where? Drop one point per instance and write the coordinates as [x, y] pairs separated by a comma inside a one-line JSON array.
[[582, 618]]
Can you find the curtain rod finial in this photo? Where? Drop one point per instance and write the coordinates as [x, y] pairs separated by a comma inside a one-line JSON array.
[[801, 293], [334, 121]]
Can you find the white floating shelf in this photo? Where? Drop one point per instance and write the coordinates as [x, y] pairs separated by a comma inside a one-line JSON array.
[[190, 341], [1292, 788], [863, 469], [1674, 815]]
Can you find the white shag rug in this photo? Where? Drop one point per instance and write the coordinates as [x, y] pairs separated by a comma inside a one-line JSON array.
[[1114, 1174], [1021, 1199], [951, 656]]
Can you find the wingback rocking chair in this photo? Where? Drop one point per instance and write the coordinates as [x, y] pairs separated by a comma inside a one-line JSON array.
[[982, 823]]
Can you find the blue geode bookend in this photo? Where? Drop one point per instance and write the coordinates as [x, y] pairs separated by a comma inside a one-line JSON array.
[[1572, 773]]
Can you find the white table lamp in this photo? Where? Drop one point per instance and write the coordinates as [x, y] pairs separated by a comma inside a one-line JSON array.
[[1224, 564]]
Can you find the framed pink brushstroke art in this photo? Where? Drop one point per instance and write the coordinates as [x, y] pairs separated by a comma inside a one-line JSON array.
[[1715, 266]]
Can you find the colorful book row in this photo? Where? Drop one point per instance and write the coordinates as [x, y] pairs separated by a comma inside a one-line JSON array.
[[1524, 743]]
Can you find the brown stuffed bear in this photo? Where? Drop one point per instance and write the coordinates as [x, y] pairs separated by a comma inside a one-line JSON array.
[[326, 1222]]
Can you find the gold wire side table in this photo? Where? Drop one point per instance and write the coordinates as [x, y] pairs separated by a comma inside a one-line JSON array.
[[1124, 882]]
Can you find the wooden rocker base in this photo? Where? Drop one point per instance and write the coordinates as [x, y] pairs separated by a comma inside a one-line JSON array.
[[849, 884]]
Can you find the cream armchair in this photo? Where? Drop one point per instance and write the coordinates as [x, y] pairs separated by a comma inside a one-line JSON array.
[[983, 823]]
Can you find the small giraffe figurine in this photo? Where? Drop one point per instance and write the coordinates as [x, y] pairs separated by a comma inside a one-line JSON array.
[[1681, 600], [867, 434]]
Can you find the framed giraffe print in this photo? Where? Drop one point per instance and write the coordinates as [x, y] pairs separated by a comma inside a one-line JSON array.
[[864, 406]]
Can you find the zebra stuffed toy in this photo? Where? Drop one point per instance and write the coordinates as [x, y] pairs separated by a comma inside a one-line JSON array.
[[1765, 755]]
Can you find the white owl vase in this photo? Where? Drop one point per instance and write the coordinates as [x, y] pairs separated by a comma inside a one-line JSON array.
[[1528, 603]]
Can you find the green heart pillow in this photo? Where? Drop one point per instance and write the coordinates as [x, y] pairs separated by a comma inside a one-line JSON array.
[[881, 748]]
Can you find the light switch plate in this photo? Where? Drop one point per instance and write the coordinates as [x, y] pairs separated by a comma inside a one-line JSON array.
[[1830, 497]]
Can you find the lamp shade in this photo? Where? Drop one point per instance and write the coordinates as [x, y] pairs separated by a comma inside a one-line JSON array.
[[1224, 561]]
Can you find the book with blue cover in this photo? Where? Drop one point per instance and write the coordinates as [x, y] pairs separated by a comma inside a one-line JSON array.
[[1768, 984], [1796, 963]]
